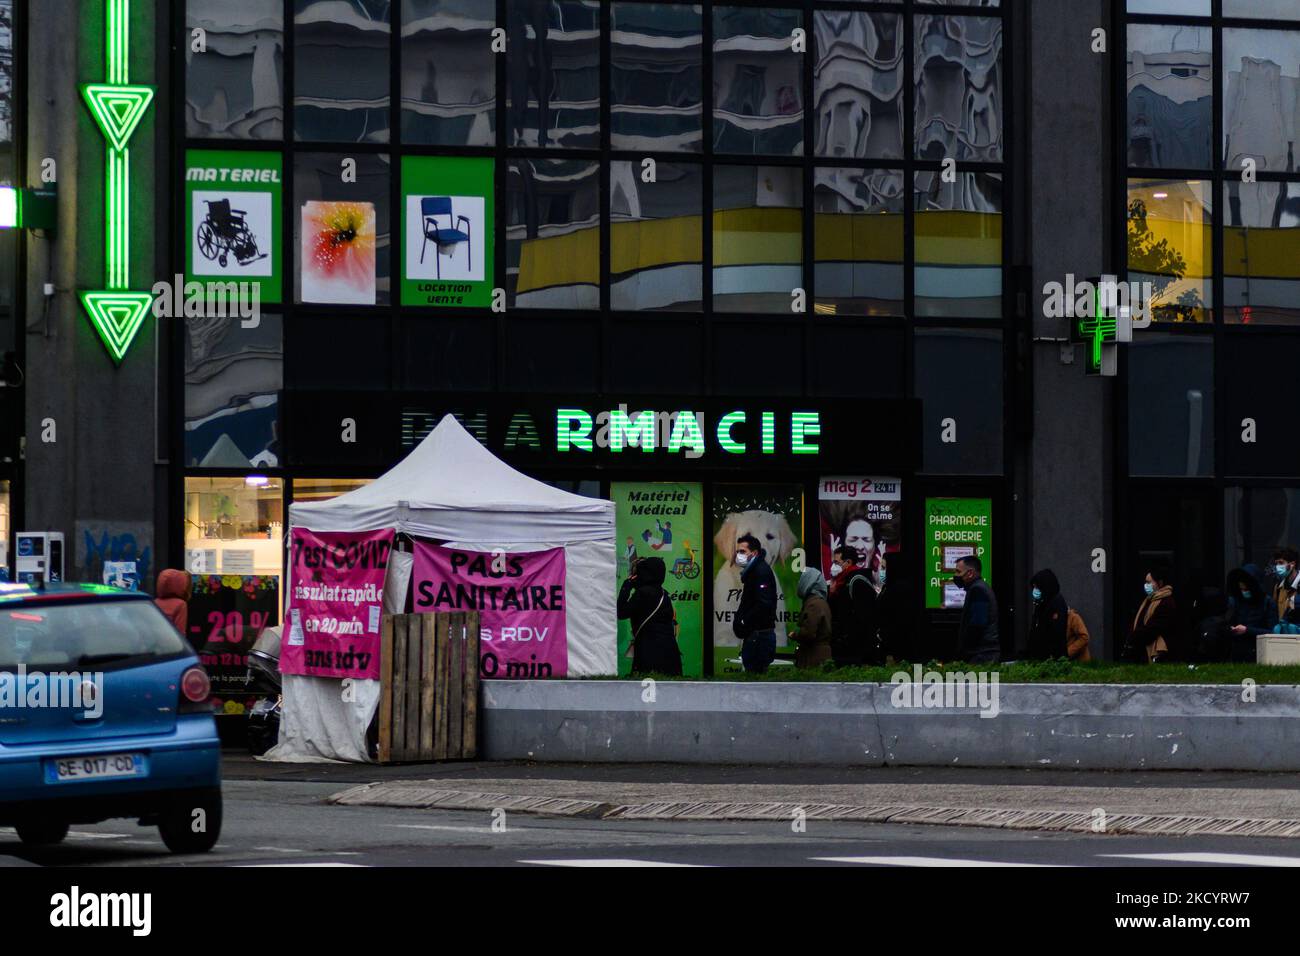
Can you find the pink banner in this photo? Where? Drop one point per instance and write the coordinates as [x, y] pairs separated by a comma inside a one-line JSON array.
[[520, 599], [335, 602]]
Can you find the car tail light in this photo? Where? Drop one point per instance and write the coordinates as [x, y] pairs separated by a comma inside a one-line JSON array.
[[196, 689]]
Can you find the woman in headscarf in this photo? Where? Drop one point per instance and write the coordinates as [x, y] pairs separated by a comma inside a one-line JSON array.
[[1047, 638], [173, 594], [814, 632], [643, 601]]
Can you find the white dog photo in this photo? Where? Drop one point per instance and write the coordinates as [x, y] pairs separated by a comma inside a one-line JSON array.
[[776, 539]]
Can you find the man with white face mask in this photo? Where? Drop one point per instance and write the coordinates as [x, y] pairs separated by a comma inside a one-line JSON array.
[[755, 621]]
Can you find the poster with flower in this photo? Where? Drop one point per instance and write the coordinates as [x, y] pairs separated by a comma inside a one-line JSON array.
[[338, 252]]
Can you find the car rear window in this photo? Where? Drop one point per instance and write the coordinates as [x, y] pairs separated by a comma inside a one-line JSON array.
[[102, 634]]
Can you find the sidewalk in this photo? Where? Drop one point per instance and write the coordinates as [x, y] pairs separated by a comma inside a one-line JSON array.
[[1261, 804]]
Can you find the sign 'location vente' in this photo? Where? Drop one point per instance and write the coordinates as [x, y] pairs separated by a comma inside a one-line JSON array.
[[117, 107]]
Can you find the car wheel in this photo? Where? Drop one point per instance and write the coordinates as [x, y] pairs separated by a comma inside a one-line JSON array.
[[41, 832], [192, 825]]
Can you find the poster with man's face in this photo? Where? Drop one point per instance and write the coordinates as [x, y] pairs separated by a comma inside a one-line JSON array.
[[862, 513], [774, 515]]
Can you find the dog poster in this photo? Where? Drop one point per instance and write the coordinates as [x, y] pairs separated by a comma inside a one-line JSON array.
[[664, 520], [774, 515], [864, 513]]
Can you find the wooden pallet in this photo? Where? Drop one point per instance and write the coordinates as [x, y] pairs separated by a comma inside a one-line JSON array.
[[428, 702]]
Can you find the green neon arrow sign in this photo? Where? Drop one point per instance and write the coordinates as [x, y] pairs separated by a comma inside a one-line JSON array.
[[117, 108], [117, 316]]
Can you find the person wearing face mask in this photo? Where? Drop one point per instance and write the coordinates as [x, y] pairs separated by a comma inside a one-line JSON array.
[[977, 636], [1047, 626], [755, 620], [855, 624], [1250, 613], [1156, 622], [814, 633], [1284, 571]]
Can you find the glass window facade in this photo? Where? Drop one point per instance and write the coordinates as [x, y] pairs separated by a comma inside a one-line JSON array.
[[732, 200], [234, 526], [234, 87], [1211, 215]]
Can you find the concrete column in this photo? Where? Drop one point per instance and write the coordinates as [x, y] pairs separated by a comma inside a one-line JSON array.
[[95, 481], [1071, 149]]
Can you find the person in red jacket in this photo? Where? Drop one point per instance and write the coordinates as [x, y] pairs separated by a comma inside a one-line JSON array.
[[173, 593]]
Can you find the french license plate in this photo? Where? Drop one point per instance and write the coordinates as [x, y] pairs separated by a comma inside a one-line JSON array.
[[99, 767]]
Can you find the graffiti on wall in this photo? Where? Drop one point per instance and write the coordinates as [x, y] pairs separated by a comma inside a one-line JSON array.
[[100, 541]]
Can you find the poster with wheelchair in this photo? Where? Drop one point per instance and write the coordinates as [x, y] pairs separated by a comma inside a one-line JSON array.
[[447, 231], [664, 520], [232, 218]]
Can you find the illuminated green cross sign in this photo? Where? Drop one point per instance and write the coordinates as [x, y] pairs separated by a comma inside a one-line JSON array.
[[117, 107], [1097, 330]]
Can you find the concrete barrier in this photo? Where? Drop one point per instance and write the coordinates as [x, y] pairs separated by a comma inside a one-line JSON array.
[[1084, 726]]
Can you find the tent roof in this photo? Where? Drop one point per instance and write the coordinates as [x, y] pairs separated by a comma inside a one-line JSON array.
[[452, 488]]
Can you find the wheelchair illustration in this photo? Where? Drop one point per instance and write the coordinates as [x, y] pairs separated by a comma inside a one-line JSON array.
[[686, 568], [225, 231]]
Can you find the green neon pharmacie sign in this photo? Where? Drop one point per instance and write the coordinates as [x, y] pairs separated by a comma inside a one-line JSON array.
[[686, 432], [117, 107]]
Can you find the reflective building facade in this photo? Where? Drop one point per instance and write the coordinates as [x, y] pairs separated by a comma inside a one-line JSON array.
[[511, 209]]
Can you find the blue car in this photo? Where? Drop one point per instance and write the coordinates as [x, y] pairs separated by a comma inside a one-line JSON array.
[[104, 712]]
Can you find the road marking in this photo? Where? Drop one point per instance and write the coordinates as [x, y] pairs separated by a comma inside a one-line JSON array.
[[269, 865], [430, 826], [915, 861], [1240, 859], [85, 835], [279, 849], [74, 834], [607, 862]]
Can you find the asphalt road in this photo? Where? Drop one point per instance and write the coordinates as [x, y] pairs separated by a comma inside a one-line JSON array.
[[286, 823]]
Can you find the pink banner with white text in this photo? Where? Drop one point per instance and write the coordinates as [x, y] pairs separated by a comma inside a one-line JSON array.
[[336, 601], [520, 599]]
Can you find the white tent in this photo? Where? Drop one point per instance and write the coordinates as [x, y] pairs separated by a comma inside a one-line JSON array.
[[452, 489]]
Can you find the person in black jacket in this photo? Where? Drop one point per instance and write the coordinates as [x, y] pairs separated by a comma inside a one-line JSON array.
[[643, 601], [977, 637], [755, 620], [1252, 612], [1152, 638], [1211, 634], [855, 618], [1047, 627]]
